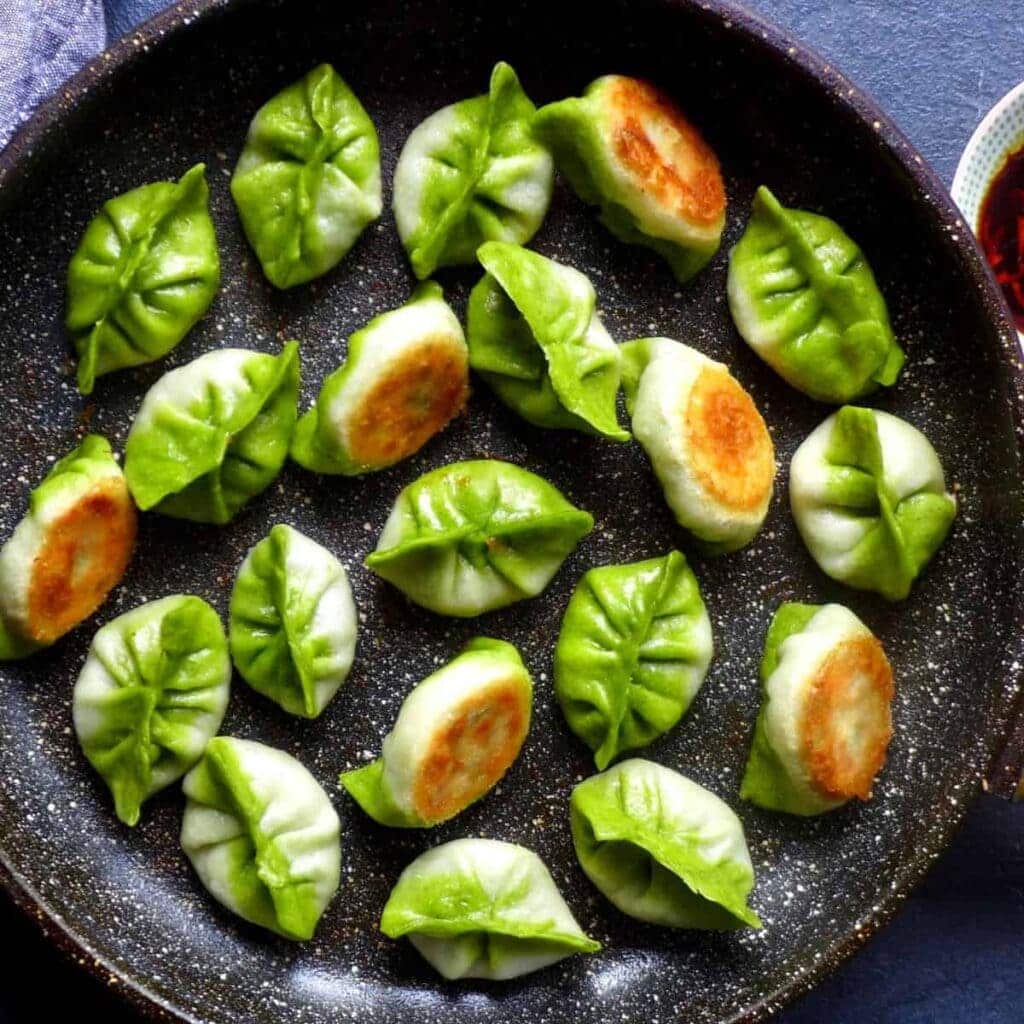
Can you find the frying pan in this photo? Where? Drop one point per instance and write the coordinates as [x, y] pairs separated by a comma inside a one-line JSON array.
[[182, 89]]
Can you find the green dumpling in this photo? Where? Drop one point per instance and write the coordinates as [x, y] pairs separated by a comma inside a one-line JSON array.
[[152, 693], [211, 435], [308, 180], [632, 653], [869, 498], [535, 338], [470, 173], [144, 272], [627, 149], [804, 299]]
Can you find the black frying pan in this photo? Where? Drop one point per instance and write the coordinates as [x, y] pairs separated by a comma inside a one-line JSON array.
[[183, 89]]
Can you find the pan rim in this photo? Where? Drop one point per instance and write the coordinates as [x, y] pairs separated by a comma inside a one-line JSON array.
[[188, 15]]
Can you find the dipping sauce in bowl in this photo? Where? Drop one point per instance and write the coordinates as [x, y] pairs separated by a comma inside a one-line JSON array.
[[1001, 231]]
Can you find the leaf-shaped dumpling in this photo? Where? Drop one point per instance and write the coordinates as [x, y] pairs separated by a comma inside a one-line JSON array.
[[262, 836], [633, 650], [293, 622], [471, 173], [69, 550], [627, 148], [144, 272], [804, 298], [152, 693], [535, 338], [474, 536], [213, 434], [456, 735], [479, 908], [824, 725], [308, 179], [869, 498], [405, 378], [662, 848]]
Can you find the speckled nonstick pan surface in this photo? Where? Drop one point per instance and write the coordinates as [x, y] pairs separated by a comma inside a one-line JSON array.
[[183, 90]]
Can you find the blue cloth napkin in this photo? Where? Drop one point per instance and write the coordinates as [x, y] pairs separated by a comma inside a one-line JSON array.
[[42, 42]]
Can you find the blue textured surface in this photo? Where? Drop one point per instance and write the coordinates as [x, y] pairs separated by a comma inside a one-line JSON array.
[[956, 952]]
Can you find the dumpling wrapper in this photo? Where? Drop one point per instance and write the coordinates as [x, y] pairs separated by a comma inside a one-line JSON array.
[[633, 650], [211, 435], [479, 908], [152, 693], [262, 835], [869, 498], [144, 273], [68, 552], [470, 173], [293, 622], [805, 300], [535, 338], [825, 723], [663, 849], [457, 734], [708, 444], [627, 148], [405, 378], [474, 536]]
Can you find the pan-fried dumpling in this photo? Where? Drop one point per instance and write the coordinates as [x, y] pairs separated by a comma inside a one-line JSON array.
[[480, 908], [211, 435], [627, 148], [804, 299], [292, 622], [535, 338], [262, 836], [456, 735], [68, 552], [144, 272], [869, 498], [633, 650], [405, 378], [474, 536], [470, 173], [708, 444], [824, 724], [663, 849], [308, 179], [151, 695]]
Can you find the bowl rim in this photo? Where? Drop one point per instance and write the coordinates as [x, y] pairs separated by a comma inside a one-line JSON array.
[[752, 27]]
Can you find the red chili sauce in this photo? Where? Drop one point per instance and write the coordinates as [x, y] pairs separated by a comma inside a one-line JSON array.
[[1001, 231]]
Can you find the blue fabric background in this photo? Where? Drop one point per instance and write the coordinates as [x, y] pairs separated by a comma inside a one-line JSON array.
[[955, 955]]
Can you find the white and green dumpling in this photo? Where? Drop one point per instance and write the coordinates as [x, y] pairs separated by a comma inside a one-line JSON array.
[[825, 723], [262, 836], [708, 444], [629, 150], [663, 849], [474, 536], [405, 378], [869, 498], [151, 695], [456, 735], [536, 339], [70, 549], [480, 908], [293, 622], [470, 173], [804, 298], [633, 650]]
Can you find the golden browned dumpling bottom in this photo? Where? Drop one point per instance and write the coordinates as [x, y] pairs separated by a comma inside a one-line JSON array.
[[666, 156], [472, 751], [731, 451], [409, 404], [847, 723], [81, 559]]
